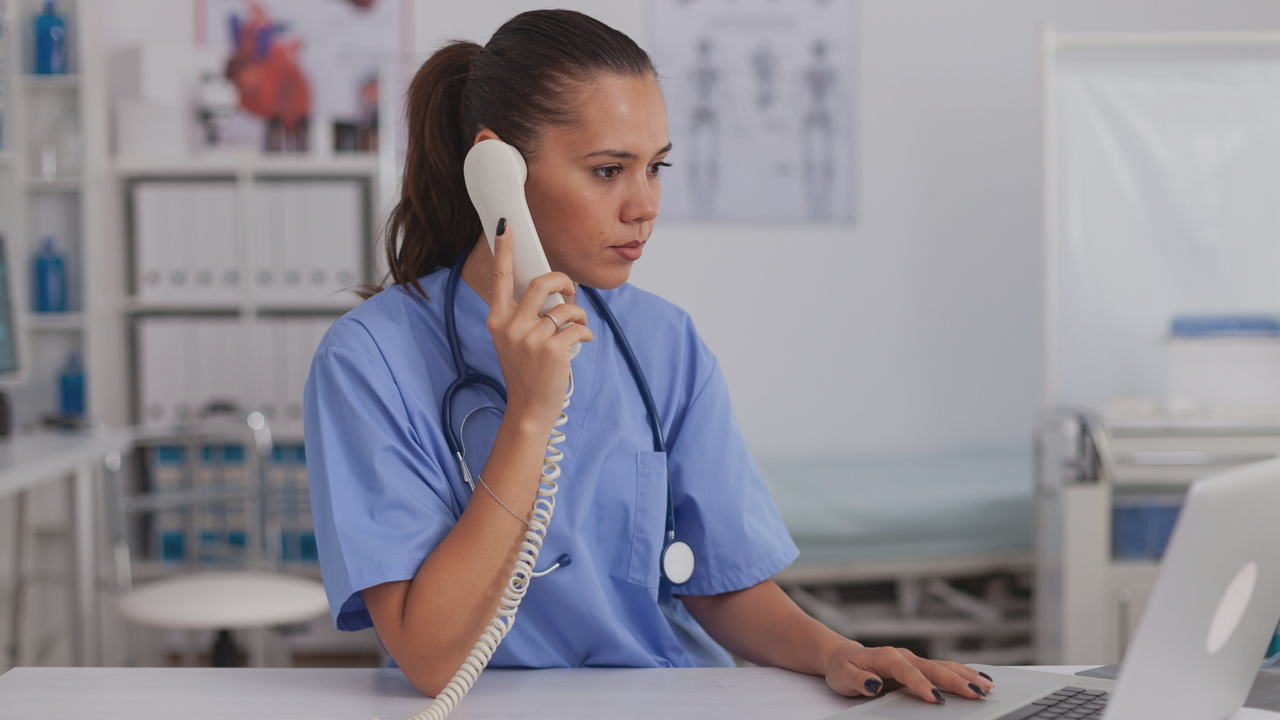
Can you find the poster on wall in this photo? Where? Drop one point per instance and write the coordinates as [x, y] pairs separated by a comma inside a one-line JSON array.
[[296, 74], [761, 106]]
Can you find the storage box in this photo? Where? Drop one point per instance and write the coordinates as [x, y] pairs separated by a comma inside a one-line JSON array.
[[1241, 373]]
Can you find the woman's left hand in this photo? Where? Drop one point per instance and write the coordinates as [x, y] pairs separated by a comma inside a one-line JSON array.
[[855, 670]]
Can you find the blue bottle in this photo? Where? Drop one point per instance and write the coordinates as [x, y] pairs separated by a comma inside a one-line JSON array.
[[71, 384], [51, 42], [51, 279]]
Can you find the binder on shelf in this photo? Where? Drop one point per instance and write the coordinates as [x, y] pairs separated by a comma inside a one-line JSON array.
[[345, 235], [220, 373], [185, 239], [209, 245], [308, 240], [151, 226], [296, 358], [264, 246], [291, 240], [266, 367], [164, 351]]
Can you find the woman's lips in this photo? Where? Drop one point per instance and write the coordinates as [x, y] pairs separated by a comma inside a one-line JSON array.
[[630, 251]]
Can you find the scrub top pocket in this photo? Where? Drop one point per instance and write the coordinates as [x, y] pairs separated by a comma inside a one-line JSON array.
[[650, 518]]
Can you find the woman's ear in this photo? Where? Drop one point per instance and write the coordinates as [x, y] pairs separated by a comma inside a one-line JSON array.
[[486, 134]]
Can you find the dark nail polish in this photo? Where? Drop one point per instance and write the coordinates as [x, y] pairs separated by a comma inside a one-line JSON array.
[[986, 676], [872, 685], [974, 687], [502, 226], [937, 695]]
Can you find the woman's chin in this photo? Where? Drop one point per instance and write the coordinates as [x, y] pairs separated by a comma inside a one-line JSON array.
[[603, 278]]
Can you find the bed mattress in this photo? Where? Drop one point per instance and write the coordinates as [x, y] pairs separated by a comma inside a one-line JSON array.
[[876, 509]]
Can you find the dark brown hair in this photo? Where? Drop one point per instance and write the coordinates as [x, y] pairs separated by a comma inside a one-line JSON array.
[[517, 85]]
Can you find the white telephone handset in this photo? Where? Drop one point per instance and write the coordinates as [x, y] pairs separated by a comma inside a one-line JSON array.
[[495, 173]]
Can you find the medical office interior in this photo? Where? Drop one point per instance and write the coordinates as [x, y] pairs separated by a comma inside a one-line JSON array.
[[991, 283]]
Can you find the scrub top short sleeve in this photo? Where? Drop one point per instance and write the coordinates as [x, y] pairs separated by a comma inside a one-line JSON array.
[[723, 507], [391, 507]]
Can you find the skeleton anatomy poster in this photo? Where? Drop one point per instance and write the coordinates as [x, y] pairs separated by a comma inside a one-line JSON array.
[[761, 105]]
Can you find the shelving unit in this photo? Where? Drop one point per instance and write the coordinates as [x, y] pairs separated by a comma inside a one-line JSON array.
[[34, 206]]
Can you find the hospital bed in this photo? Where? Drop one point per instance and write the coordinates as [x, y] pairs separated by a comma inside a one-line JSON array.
[[930, 552]]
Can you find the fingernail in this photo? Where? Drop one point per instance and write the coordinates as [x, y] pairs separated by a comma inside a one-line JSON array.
[[974, 687], [502, 225], [937, 695], [872, 685], [986, 676]]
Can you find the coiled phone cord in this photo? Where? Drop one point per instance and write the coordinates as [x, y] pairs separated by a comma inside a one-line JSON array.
[[517, 584]]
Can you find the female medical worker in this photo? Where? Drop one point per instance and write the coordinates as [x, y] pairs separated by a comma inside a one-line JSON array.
[[407, 546]]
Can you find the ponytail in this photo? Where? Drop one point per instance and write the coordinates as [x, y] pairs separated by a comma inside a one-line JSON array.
[[433, 196], [520, 83]]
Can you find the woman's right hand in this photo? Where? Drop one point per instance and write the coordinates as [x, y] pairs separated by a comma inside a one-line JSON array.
[[532, 352]]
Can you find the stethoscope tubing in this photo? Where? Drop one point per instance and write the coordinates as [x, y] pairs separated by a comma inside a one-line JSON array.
[[467, 378]]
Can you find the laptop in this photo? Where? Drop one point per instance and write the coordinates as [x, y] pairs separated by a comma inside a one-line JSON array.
[[1201, 640]]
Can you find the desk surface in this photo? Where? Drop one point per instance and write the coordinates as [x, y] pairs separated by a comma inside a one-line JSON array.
[[27, 459], [279, 694], [282, 694]]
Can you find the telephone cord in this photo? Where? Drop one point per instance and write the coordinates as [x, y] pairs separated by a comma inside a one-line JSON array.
[[517, 584]]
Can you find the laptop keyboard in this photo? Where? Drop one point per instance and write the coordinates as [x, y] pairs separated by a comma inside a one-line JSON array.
[[1069, 703]]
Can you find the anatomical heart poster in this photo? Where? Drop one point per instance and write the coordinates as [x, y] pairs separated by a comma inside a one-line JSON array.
[[292, 74]]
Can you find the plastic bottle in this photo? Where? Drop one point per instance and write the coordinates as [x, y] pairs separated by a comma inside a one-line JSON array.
[[51, 279], [51, 41], [71, 384]]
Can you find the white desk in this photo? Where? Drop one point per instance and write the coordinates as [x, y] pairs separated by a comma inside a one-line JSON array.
[[278, 694], [31, 459]]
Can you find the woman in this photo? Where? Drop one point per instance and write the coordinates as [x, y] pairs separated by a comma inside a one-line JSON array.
[[407, 546]]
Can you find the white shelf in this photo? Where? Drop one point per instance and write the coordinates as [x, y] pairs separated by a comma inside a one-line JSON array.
[[56, 185], [32, 81], [56, 322], [340, 305], [137, 305], [213, 165]]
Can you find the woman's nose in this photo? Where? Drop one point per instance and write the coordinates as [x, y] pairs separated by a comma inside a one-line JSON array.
[[642, 202]]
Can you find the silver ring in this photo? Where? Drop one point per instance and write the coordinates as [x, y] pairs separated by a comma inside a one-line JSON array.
[[548, 315]]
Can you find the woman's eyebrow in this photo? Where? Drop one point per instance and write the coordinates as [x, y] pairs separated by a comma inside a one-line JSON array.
[[623, 154]]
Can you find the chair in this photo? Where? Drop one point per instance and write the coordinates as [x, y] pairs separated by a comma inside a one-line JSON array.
[[245, 593]]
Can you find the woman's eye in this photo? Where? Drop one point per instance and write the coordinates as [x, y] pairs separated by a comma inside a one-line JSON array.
[[608, 173], [654, 168]]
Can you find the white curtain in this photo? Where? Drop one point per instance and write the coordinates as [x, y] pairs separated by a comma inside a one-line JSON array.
[[1168, 202]]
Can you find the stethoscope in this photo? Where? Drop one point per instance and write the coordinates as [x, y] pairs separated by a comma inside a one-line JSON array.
[[677, 559]]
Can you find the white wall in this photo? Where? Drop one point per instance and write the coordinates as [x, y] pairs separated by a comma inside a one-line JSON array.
[[918, 329]]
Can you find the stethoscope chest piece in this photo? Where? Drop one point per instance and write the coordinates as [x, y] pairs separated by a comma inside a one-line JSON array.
[[677, 562]]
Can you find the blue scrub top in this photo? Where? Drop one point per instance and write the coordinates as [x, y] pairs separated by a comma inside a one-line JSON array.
[[385, 490]]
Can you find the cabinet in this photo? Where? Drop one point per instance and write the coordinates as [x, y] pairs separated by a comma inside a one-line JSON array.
[[1106, 494]]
